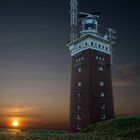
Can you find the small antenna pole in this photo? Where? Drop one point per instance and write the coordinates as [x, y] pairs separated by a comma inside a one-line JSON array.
[[111, 36], [73, 20]]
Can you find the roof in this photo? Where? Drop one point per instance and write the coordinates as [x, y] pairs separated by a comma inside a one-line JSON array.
[[89, 35]]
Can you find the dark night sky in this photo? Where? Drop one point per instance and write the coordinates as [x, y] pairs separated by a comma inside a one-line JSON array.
[[35, 63]]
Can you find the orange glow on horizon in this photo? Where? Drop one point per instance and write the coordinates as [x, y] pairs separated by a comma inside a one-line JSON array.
[[15, 123]]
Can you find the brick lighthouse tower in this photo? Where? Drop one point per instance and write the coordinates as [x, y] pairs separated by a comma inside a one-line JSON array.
[[91, 97]]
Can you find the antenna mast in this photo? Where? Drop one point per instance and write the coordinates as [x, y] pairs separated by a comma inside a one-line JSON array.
[[111, 35], [73, 19]]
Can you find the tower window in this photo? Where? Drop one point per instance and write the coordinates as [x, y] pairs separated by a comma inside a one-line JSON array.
[[78, 107], [103, 47], [79, 69], [96, 57], [79, 95], [76, 60], [78, 127], [92, 43], [101, 83], [100, 58], [106, 48], [103, 59], [86, 43], [101, 68], [99, 46], [78, 117], [102, 106], [79, 84], [82, 58], [79, 59], [103, 117], [102, 94]]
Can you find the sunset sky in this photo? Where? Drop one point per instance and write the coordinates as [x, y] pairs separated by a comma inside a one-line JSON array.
[[35, 64]]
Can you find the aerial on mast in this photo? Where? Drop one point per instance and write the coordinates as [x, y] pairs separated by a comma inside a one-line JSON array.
[[73, 19]]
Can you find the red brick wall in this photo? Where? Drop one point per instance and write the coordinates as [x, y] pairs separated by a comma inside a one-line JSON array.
[[90, 100]]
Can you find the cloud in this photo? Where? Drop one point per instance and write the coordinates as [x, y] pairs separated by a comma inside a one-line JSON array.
[[126, 75]]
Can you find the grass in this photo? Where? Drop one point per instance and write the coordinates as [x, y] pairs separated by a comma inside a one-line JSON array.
[[120, 128]]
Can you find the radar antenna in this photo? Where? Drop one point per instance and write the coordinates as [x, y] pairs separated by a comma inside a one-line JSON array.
[[84, 14]]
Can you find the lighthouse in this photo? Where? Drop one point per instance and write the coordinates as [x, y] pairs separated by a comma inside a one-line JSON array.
[[91, 94]]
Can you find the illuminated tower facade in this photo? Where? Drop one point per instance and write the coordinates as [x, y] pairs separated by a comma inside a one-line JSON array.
[[91, 98]]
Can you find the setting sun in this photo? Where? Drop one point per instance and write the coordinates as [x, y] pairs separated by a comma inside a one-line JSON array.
[[15, 123]]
